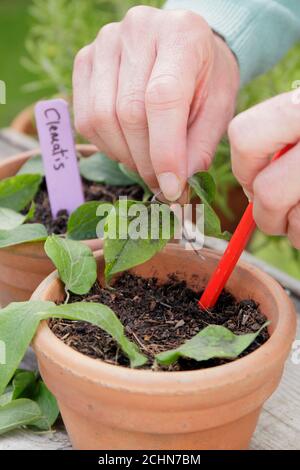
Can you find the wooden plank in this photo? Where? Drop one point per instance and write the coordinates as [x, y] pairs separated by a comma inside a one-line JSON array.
[[279, 424], [28, 440]]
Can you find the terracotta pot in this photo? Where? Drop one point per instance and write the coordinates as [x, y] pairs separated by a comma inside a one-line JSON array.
[[24, 122], [110, 407], [24, 266]]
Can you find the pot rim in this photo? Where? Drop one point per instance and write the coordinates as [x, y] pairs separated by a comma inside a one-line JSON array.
[[276, 348]]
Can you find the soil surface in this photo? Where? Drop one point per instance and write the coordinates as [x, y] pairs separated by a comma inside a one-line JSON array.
[[92, 192], [158, 318]]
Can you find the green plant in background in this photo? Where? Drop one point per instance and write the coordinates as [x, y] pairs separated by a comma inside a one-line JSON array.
[[278, 80], [15, 24], [60, 29]]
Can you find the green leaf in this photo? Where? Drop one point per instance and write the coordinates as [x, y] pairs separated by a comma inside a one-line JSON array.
[[18, 413], [48, 406], [22, 234], [135, 178], [6, 397], [100, 169], [10, 219], [121, 250], [18, 191], [83, 222], [22, 318], [23, 384], [74, 261], [33, 165], [214, 341], [106, 319], [205, 188], [31, 212]]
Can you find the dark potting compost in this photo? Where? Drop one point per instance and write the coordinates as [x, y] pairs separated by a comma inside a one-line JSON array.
[[158, 317], [92, 192]]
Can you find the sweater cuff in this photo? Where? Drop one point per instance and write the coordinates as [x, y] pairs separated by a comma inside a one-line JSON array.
[[258, 32]]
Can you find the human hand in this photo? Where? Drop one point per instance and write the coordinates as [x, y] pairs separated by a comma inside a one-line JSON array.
[[156, 92], [274, 188]]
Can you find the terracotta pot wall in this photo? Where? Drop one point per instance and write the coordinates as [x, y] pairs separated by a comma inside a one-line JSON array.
[[110, 407]]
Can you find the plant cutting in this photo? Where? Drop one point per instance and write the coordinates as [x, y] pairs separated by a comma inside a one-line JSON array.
[[26, 219], [130, 358], [80, 23]]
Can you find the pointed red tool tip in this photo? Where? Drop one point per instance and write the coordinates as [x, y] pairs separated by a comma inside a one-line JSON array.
[[205, 302], [232, 253], [201, 305]]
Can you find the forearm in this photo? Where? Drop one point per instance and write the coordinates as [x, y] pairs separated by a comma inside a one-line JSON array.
[[259, 32]]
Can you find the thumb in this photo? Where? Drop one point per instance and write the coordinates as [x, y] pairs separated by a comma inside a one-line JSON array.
[[259, 132], [168, 99]]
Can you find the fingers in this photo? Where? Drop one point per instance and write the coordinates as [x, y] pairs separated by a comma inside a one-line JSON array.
[[81, 78], [207, 130], [276, 190], [135, 70], [168, 98], [215, 107], [103, 94], [255, 135], [259, 132], [183, 42], [141, 92]]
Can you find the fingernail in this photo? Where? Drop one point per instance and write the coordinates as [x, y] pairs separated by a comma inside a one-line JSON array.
[[170, 185]]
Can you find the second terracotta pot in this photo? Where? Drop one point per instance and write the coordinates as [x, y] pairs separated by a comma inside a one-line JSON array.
[[111, 407], [24, 266]]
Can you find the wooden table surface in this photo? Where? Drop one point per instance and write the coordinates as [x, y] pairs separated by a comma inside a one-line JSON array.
[[279, 423]]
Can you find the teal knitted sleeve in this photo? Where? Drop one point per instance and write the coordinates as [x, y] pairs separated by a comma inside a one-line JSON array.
[[259, 32]]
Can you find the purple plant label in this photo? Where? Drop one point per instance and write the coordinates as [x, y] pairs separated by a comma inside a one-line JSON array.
[[59, 155]]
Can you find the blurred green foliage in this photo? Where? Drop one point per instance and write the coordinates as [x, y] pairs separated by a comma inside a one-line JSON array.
[[14, 26], [278, 252], [278, 80], [61, 28]]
